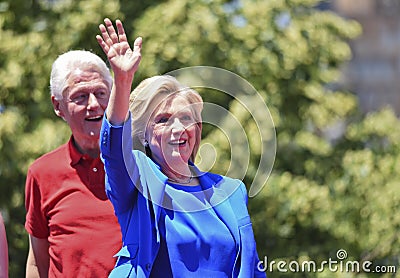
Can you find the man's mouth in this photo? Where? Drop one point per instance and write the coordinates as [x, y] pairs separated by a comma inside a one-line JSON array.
[[94, 118]]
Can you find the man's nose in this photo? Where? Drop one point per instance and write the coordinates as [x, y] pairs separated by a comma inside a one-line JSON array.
[[93, 102]]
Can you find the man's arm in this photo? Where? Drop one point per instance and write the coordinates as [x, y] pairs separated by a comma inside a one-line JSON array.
[[3, 250], [38, 261]]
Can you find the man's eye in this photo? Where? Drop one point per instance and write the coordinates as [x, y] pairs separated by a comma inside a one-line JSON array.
[[101, 95], [79, 98]]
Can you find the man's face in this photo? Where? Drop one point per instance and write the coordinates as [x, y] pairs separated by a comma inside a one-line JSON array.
[[83, 104]]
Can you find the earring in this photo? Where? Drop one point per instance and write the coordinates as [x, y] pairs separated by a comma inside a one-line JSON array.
[[147, 148]]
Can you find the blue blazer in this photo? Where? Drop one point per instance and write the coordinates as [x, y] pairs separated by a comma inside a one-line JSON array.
[[136, 187]]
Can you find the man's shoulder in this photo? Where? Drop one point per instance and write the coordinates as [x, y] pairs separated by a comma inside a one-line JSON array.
[[58, 156]]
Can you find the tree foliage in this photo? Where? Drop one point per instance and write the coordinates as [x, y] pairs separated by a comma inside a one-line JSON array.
[[336, 174]]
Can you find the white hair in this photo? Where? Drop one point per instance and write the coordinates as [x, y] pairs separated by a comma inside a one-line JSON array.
[[68, 62]]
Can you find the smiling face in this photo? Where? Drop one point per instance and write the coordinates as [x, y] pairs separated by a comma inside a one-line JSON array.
[[172, 132], [82, 106]]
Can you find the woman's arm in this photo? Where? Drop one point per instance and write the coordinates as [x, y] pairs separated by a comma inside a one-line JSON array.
[[124, 62], [122, 176]]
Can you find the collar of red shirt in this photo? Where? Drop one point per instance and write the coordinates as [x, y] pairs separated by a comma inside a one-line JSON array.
[[75, 154]]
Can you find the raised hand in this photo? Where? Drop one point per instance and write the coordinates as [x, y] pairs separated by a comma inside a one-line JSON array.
[[123, 60]]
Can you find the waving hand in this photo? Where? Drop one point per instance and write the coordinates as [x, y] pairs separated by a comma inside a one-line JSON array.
[[122, 58], [124, 62]]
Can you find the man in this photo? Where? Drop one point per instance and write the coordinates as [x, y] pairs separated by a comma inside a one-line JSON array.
[[73, 231], [3, 250]]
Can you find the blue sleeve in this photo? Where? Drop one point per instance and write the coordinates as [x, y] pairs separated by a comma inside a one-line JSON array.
[[119, 163], [257, 272]]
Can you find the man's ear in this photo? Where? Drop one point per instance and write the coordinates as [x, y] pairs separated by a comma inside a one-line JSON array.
[[56, 106]]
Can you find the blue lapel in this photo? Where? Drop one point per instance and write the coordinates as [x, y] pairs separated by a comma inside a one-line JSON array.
[[154, 189]]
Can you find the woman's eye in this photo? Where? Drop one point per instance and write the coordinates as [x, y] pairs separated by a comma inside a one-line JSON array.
[[186, 118], [162, 120]]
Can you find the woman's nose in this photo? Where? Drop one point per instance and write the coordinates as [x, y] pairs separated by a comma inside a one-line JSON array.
[[177, 125]]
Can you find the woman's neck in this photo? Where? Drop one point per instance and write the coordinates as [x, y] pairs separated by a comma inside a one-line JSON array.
[[181, 175]]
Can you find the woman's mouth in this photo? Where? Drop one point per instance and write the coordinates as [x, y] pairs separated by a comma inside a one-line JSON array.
[[178, 142]]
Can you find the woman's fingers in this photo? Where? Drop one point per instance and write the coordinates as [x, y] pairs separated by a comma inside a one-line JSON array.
[[109, 34], [111, 31], [113, 43], [105, 35], [102, 44], [121, 31], [137, 45]]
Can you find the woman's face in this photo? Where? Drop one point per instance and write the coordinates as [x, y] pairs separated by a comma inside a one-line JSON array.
[[171, 132]]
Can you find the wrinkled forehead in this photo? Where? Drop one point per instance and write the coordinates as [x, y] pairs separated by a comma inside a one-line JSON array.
[[84, 75], [89, 77]]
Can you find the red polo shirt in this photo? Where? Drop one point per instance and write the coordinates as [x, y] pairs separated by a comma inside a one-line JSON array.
[[66, 203]]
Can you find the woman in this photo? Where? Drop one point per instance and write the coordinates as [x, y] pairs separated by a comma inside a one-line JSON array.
[[175, 220]]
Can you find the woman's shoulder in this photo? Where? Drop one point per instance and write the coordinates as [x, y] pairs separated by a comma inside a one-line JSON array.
[[229, 182], [229, 185], [144, 162]]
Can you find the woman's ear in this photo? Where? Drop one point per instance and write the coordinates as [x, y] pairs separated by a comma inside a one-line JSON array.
[[147, 148], [199, 130], [56, 106]]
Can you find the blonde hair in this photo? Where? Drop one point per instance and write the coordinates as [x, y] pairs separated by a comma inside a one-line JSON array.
[[149, 94]]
